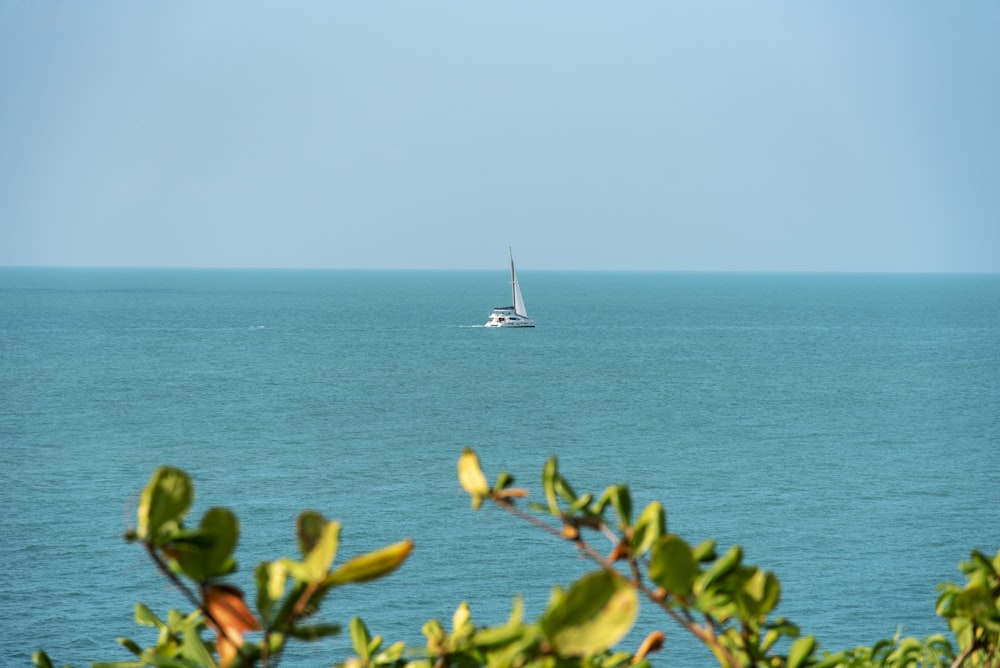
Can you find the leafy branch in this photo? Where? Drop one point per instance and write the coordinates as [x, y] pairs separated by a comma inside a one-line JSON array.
[[724, 603], [717, 598]]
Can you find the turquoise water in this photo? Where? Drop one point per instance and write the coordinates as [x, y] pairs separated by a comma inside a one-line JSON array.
[[844, 429]]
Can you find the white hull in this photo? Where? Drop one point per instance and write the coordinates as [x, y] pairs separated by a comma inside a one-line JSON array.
[[507, 317]]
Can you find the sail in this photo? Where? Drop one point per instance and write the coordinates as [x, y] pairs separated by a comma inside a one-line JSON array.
[[518, 299]]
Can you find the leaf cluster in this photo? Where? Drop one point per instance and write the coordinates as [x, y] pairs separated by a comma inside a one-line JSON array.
[[198, 560], [727, 604]]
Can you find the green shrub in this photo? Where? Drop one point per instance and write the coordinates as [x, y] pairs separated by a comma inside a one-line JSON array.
[[716, 597]]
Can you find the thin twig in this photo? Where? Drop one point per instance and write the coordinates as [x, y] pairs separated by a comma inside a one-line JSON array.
[[966, 653], [188, 594], [705, 635], [531, 519], [176, 581]]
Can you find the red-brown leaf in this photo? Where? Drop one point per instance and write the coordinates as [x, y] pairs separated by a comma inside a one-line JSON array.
[[229, 617]]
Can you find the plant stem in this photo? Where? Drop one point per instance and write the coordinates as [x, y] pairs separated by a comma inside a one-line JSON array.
[[705, 635], [188, 594]]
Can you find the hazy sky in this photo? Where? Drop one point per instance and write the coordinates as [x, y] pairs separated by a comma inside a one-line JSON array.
[[770, 135]]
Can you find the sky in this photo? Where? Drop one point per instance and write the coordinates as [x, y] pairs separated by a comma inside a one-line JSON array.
[[776, 135]]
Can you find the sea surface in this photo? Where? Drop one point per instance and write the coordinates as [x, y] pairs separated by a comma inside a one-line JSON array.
[[844, 429]]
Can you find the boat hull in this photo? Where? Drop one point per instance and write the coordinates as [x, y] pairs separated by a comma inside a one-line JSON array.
[[507, 317], [508, 325]]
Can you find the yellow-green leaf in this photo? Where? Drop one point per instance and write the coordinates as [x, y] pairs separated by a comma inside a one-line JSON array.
[[461, 622], [372, 565], [500, 635], [163, 503], [672, 565], [323, 551], [800, 651], [764, 590], [360, 638], [471, 477], [308, 529], [650, 526], [549, 474], [596, 612], [146, 617], [271, 578], [721, 568]]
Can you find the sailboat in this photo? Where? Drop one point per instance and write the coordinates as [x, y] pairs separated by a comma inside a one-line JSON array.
[[515, 315]]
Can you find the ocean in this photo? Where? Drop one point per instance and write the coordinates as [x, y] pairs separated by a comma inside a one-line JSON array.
[[843, 428]]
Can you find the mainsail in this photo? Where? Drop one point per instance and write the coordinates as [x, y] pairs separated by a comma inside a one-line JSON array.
[[518, 299]]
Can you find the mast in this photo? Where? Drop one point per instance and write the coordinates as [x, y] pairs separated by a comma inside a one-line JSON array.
[[513, 280]]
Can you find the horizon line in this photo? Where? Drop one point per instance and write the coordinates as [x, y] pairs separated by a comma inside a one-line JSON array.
[[520, 269]]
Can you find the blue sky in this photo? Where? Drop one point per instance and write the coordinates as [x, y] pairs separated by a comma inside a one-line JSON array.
[[760, 136]]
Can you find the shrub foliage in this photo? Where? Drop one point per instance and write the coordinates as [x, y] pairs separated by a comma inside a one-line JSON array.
[[713, 595]]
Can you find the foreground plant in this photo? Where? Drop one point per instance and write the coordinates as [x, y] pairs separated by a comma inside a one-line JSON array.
[[197, 561], [723, 602]]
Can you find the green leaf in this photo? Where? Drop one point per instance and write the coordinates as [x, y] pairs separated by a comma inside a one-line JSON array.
[[145, 617], [760, 594], [800, 651], [471, 477], [360, 638], [618, 659], [621, 500], [315, 631], [193, 647], [372, 565], [596, 612], [983, 562], [497, 636], [309, 529], [320, 542], [392, 655], [435, 635], [461, 623], [163, 503], [549, 474], [721, 568], [564, 489], [130, 645], [185, 538], [837, 660], [41, 659], [580, 503], [782, 628], [175, 620], [271, 578], [211, 558], [503, 481], [516, 612], [649, 528], [323, 552], [705, 552], [502, 635], [673, 566]]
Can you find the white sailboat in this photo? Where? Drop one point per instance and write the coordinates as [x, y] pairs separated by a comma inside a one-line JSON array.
[[515, 315]]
